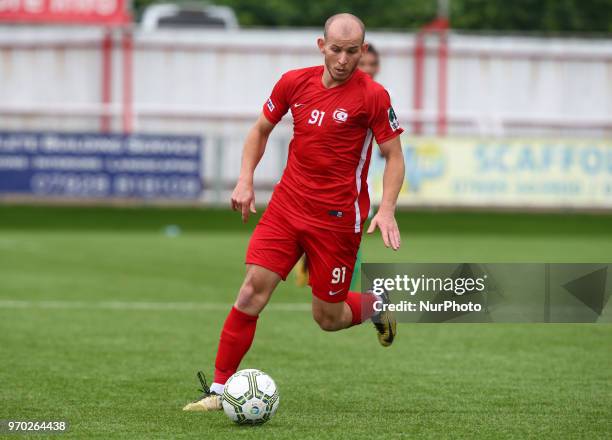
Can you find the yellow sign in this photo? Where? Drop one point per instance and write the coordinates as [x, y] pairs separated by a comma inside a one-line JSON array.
[[555, 173]]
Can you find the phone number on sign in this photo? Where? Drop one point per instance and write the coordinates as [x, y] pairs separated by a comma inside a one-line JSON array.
[[21, 426]]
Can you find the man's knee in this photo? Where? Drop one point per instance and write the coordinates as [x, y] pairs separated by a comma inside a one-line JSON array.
[[254, 292], [250, 294], [327, 321]]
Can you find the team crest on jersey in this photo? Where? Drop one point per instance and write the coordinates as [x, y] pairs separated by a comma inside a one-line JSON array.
[[270, 105], [340, 115], [393, 122]]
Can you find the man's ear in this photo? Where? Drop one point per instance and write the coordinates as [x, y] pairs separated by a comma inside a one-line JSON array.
[[321, 44], [364, 48]]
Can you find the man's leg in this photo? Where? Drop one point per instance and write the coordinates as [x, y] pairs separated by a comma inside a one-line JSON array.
[[355, 309], [273, 250], [239, 327], [237, 333], [331, 257]]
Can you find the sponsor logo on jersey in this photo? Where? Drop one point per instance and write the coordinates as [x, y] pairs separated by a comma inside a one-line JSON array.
[[270, 105], [393, 122], [296, 105], [335, 213], [340, 115], [332, 293]]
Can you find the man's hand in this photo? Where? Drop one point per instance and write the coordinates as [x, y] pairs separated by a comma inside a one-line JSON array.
[[385, 220], [393, 178], [243, 199]]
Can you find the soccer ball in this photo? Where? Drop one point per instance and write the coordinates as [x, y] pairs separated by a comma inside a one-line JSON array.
[[250, 397]]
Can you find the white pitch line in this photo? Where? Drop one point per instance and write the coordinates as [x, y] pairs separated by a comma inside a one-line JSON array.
[[137, 305]]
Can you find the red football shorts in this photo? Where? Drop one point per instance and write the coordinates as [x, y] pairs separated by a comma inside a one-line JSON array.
[[279, 240]]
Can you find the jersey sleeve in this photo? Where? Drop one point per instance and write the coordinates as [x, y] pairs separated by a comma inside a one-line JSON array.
[[278, 103], [383, 120]]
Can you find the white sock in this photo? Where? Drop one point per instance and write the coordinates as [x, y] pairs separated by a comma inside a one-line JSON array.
[[217, 388]]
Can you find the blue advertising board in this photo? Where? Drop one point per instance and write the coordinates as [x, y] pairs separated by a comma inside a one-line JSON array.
[[91, 165]]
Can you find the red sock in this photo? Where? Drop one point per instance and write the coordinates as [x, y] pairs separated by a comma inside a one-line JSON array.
[[361, 305], [236, 338]]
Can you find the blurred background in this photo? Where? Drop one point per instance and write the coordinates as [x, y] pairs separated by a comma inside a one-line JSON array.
[[503, 106], [121, 128]]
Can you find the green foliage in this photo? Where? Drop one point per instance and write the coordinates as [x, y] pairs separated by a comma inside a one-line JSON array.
[[533, 15], [475, 15]]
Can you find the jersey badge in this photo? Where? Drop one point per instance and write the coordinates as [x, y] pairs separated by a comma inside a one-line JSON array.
[[393, 122], [340, 115]]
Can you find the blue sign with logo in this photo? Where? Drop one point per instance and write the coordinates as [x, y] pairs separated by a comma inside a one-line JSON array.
[[91, 165]]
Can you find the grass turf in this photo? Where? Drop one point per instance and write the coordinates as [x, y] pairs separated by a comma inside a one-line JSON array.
[[125, 372]]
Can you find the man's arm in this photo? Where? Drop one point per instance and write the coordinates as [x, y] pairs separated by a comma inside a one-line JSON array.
[[393, 178], [243, 197]]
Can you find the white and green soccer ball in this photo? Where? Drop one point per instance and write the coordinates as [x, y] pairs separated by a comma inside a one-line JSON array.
[[250, 397]]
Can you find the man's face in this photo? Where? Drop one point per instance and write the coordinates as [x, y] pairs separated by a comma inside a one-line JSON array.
[[369, 64], [342, 54]]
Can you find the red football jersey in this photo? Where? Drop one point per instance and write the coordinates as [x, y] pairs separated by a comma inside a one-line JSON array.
[[325, 180]]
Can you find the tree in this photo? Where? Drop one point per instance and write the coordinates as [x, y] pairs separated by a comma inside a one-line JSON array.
[[474, 15]]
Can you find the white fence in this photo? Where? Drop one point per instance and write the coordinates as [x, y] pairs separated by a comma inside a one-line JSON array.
[[213, 83], [496, 85]]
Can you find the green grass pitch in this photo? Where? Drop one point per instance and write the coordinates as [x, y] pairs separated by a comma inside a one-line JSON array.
[[104, 321]]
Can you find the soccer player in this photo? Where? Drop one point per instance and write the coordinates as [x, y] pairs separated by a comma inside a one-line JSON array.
[[370, 64], [320, 205]]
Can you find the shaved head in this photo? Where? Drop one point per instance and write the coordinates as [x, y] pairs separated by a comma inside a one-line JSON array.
[[344, 25], [342, 46]]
